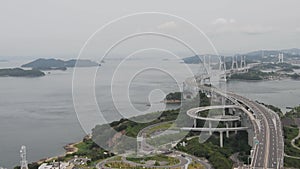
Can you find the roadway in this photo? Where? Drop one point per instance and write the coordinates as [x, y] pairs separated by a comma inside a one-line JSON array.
[[146, 147], [194, 113], [268, 153]]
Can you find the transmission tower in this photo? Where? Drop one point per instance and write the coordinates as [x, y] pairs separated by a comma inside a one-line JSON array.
[[23, 162]]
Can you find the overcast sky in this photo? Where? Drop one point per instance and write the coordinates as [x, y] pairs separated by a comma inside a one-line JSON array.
[[59, 28]]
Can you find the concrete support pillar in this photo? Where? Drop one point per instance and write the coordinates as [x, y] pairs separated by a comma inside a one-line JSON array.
[[235, 125], [227, 131], [221, 139], [209, 126], [195, 123], [230, 111], [139, 145], [223, 103]]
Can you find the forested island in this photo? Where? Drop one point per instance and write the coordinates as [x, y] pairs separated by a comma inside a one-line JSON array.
[[58, 64], [268, 71], [173, 98], [254, 75], [18, 72]]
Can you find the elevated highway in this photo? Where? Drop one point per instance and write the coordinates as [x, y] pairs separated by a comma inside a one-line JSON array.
[[268, 149], [194, 113], [269, 152], [268, 144]]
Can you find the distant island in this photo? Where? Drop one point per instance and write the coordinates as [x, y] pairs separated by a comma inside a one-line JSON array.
[[192, 60], [18, 72], [173, 98], [57, 64], [290, 55], [265, 67], [268, 71]]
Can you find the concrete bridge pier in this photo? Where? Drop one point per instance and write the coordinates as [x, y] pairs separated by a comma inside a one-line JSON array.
[[221, 139], [235, 125], [223, 103], [139, 145], [209, 126], [230, 111], [227, 131], [195, 123]]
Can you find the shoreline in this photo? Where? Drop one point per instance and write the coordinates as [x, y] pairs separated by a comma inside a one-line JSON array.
[[49, 159], [69, 148]]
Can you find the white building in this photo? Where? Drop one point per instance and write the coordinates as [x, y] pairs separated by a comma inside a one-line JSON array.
[[54, 165]]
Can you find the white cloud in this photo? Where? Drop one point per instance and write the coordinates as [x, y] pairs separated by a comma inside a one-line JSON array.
[[298, 29], [223, 21], [222, 26], [220, 21], [256, 29], [168, 25]]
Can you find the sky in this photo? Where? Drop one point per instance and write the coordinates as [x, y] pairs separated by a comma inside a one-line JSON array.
[[60, 28]]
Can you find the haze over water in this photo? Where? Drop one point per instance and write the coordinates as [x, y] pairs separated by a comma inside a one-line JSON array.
[[39, 112]]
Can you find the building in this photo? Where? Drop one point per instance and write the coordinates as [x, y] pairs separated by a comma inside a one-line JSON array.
[[54, 165]]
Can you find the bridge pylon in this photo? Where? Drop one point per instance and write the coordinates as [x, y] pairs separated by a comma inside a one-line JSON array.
[[280, 58], [243, 61], [222, 68], [234, 64]]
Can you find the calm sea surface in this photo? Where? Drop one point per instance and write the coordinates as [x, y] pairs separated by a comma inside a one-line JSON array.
[[39, 112]]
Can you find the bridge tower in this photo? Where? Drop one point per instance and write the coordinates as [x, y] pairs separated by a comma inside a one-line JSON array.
[[209, 62], [24, 164], [206, 79], [243, 61], [222, 67], [234, 64], [280, 58]]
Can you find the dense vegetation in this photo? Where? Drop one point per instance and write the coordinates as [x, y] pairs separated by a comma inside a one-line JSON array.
[[17, 72], [174, 96], [274, 108], [289, 134], [89, 149], [253, 75], [101, 133], [218, 157], [282, 66], [192, 60], [157, 158], [295, 76], [294, 113], [57, 64], [291, 162], [292, 117]]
